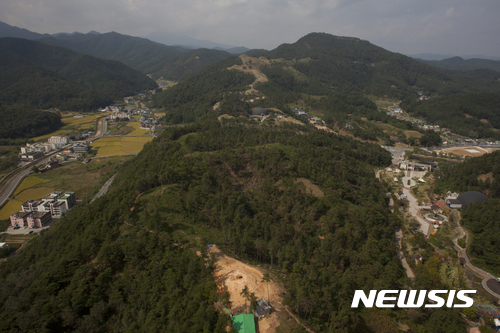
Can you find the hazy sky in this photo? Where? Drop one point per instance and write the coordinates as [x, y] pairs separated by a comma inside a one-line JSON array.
[[460, 27]]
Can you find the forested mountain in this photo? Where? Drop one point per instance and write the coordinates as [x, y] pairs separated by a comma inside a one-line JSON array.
[[332, 76], [37, 75], [171, 62], [11, 31], [138, 53], [460, 64], [189, 63], [351, 64]]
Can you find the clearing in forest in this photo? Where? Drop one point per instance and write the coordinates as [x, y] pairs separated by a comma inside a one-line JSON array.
[[232, 275]]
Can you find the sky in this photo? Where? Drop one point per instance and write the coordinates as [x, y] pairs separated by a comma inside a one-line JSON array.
[[458, 27]]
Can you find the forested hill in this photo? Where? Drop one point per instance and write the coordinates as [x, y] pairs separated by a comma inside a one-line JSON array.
[[171, 62], [332, 76], [480, 174], [37, 75], [128, 262]]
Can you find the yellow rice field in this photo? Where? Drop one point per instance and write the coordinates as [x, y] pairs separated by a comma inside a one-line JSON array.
[[34, 193], [30, 182], [137, 131], [120, 145], [71, 123], [10, 208]]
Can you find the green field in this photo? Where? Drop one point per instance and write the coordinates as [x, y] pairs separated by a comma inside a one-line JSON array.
[[81, 178]]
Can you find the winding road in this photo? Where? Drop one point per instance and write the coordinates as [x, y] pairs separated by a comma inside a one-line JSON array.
[[491, 285]]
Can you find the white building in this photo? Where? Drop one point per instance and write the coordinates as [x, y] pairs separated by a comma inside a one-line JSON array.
[[58, 140]]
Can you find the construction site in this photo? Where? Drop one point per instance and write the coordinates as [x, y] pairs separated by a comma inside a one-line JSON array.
[[233, 276]]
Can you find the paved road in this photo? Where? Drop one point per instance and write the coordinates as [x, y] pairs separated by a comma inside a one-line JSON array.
[[17, 179], [425, 227]]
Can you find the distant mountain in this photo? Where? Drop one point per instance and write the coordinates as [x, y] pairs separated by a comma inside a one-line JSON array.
[[38, 75], [234, 50], [189, 63], [430, 56], [187, 42], [439, 57], [171, 62], [11, 31], [460, 64], [141, 54], [135, 52]]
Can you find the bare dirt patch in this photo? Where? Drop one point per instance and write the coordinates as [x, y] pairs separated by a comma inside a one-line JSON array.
[[224, 116], [472, 151], [311, 187], [232, 275], [252, 65], [486, 176], [414, 134]]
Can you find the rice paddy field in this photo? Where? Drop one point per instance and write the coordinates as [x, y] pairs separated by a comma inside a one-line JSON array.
[[30, 182], [120, 145], [74, 124], [10, 208], [137, 131], [34, 193]]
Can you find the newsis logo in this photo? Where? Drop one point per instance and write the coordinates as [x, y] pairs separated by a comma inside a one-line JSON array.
[[387, 298]]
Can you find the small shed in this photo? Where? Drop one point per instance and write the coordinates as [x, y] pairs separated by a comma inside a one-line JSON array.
[[262, 308]]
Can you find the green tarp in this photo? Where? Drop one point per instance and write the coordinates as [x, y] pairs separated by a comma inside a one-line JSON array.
[[244, 323]]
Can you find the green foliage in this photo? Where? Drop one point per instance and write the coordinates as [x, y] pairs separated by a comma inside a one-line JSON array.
[[471, 313], [465, 176], [26, 123], [37, 75], [481, 219], [197, 95], [170, 62], [445, 321], [351, 64], [461, 113]]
